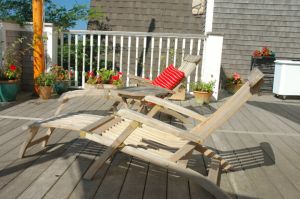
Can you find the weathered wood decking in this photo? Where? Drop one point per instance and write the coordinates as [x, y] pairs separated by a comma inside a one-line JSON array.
[[262, 140]]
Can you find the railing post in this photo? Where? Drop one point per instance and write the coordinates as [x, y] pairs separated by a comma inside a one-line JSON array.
[[51, 46], [211, 65], [2, 42]]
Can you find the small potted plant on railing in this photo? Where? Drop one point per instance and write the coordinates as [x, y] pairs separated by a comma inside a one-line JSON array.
[[104, 78], [203, 91], [62, 81], [45, 82], [234, 83]]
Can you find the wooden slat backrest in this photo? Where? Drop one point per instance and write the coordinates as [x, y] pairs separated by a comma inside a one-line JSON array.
[[189, 64], [230, 107]]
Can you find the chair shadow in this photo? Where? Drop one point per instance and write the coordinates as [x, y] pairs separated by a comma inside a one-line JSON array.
[[248, 158]]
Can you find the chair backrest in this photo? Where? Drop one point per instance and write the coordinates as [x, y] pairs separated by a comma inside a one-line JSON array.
[[230, 107], [189, 64]]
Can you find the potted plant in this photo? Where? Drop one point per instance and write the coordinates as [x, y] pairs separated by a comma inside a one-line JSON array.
[[62, 80], [203, 91], [45, 82], [11, 71], [9, 82], [104, 78], [234, 83]]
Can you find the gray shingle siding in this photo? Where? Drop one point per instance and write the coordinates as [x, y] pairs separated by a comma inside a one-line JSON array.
[[249, 25], [136, 15]]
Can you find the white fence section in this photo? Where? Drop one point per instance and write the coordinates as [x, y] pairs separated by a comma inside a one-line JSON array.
[[138, 53], [211, 65]]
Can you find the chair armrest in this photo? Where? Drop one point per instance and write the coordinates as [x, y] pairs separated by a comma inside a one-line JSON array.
[[154, 123], [139, 80], [169, 105]]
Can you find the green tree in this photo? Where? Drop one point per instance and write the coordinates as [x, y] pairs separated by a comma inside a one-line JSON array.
[[20, 11]]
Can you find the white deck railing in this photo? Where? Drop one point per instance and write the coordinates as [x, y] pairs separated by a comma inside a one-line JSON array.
[[138, 53]]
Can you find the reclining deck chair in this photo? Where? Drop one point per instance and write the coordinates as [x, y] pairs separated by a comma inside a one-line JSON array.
[[187, 66], [149, 139]]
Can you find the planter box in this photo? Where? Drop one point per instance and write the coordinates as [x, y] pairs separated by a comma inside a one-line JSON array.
[[233, 88], [100, 86], [266, 64]]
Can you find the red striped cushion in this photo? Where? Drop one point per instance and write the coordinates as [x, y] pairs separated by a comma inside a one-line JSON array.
[[169, 78]]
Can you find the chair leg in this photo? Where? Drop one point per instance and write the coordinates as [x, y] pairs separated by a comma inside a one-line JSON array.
[[48, 134], [30, 136]]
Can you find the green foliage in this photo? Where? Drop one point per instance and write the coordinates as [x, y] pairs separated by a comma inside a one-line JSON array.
[[20, 11], [12, 67], [202, 86], [60, 73], [45, 79], [105, 75]]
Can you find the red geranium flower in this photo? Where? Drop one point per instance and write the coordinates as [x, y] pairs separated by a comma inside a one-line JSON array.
[[236, 76], [120, 74], [90, 74], [115, 77], [12, 67]]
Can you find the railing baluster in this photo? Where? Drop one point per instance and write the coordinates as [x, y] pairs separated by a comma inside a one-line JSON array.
[[62, 49], [168, 52], [69, 54], [91, 51], [175, 50], [151, 61], [128, 61], [106, 47], [83, 62], [197, 67], [136, 55], [121, 54], [159, 55], [76, 60], [114, 52], [144, 57], [189, 77], [182, 49], [98, 51]]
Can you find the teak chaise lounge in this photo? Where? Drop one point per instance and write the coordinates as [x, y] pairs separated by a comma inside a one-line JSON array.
[[187, 66], [149, 139]]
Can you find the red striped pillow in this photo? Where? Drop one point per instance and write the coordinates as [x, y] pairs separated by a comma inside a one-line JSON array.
[[169, 78]]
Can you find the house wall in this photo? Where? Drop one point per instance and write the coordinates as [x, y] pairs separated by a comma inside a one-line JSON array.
[[168, 16], [249, 25]]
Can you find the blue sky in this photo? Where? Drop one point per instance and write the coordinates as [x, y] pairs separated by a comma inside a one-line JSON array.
[[70, 3]]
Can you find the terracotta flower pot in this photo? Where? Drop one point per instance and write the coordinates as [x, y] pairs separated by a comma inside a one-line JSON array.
[[45, 92], [202, 97]]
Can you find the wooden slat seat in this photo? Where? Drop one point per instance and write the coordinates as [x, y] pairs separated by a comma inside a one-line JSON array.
[[74, 122]]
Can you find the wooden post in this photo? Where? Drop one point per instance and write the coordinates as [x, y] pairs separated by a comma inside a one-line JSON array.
[[38, 45]]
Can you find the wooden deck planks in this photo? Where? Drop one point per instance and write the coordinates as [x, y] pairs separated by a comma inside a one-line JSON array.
[[112, 184], [135, 181], [59, 171], [156, 183], [279, 174]]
